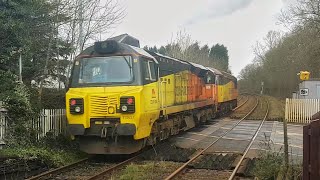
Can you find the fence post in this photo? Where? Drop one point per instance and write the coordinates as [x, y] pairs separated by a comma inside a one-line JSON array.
[[285, 141], [306, 153], [314, 150]]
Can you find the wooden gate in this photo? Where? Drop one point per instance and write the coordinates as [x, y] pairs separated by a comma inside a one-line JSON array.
[[311, 151]]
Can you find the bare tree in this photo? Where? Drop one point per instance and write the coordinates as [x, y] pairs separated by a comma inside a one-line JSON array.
[[88, 21], [304, 12], [84, 21], [270, 41]]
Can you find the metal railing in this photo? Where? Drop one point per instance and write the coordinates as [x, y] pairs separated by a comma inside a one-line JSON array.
[[3, 125], [49, 120]]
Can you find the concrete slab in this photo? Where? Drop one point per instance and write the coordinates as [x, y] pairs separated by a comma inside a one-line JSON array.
[[269, 138]]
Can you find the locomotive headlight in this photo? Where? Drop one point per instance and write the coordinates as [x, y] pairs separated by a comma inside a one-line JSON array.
[[127, 104], [124, 108], [76, 105], [77, 109]]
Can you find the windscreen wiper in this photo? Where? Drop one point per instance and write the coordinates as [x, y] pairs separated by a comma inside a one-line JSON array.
[[127, 61]]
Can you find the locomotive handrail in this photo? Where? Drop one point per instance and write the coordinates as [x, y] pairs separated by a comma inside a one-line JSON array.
[[162, 99]]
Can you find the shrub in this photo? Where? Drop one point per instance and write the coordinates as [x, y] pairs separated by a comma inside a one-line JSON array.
[[270, 165]]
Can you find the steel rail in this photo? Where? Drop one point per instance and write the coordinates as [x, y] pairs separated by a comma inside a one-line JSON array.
[[241, 104], [176, 172], [250, 144], [54, 171], [240, 98], [101, 174]]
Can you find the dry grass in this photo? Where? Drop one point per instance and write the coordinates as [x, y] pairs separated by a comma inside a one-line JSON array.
[[277, 108], [146, 170]]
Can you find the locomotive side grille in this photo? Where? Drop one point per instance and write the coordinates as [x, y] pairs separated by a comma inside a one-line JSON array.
[[99, 105]]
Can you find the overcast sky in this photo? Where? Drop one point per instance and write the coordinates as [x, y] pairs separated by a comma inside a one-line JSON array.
[[237, 24]]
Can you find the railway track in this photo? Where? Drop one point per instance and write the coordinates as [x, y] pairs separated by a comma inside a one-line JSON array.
[[254, 102], [242, 103], [88, 168], [242, 110]]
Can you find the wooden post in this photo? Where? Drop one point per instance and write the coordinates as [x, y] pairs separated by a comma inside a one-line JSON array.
[[306, 153], [285, 141], [314, 150]]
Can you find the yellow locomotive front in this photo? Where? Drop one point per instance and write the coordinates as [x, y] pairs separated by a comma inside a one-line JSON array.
[[113, 98]]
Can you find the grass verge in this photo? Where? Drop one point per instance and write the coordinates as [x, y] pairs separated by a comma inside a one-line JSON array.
[[51, 151], [147, 170], [270, 165]]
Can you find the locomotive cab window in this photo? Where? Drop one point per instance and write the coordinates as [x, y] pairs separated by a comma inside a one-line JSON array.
[[104, 70], [149, 71]]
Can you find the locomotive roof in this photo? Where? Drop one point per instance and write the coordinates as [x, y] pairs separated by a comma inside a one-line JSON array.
[[142, 52], [126, 39], [168, 57], [128, 49], [228, 75], [199, 66], [215, 71], [123, 48], [222, 73]]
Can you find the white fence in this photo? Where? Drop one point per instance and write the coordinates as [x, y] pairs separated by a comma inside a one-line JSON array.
[[53, 120], [301, 110], [3, 125]]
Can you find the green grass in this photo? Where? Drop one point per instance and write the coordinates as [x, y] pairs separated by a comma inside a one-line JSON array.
[[147, 170], [52, 151], [49, 157], [137, 172], [270, 165], [277, 108]]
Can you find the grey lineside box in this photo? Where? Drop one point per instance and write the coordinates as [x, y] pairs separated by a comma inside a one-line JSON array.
[[309, 89]]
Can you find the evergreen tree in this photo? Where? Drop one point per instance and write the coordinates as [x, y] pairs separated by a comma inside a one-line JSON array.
[[219, 53], [162, 50]]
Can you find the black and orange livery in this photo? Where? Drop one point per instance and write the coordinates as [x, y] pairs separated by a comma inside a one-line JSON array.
[[122, 98]]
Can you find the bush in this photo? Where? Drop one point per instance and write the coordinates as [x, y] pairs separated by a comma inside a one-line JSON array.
[[53, 98], [20, 112], [60, 142], [270, 165], [49, 157]]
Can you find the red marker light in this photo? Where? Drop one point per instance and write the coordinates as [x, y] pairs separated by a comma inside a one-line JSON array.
[[129, 100], [73, 102]]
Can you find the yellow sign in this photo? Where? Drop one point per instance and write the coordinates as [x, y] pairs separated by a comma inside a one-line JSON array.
[[304, 75]]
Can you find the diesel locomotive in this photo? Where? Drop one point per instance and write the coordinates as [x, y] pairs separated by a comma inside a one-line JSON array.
[[122, 98]]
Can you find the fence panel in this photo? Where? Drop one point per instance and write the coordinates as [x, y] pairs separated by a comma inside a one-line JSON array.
[[301, 110], [53, 120], [49, 120], [3, 125]]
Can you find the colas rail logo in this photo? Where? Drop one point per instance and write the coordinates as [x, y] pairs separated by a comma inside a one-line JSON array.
[[153, 93]]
